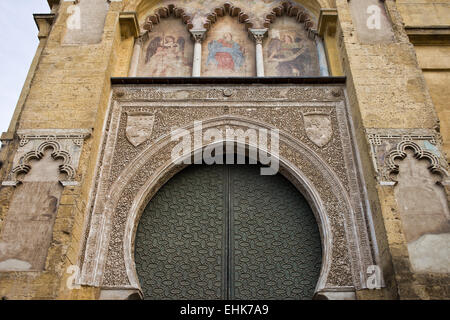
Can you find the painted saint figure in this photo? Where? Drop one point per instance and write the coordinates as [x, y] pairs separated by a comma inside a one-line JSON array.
[[165, 56], [226, 54], [290, 55]]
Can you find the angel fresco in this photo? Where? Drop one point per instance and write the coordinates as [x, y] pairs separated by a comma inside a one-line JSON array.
[[226, 54], [166, 56], [289, 54]]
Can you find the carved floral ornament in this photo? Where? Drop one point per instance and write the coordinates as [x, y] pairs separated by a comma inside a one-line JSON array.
[[65, 145]]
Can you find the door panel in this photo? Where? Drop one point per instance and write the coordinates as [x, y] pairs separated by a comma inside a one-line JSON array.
[[276, 243], [226, 232], [180, 238]]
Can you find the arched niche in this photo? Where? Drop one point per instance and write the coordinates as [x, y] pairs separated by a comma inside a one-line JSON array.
[[230, 205], [45, 162], [292, 48], [227, 49], [109, 257], [28, 229], [423, 206], [166, 49]]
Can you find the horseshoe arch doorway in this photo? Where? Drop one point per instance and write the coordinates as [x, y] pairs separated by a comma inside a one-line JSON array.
[[227, 232]]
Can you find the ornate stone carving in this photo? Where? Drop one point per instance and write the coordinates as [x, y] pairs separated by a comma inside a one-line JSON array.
[[318, 127], [139, 127], [166, 12], [258, 35], [389, 145], [198, 35], [228, 9], [130, 176], [291, 10], [65, 145]]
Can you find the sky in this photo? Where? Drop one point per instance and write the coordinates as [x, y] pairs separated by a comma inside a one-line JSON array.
[[18, 44]]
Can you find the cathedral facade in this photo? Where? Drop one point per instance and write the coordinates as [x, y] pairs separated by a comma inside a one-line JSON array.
[[221, 150]]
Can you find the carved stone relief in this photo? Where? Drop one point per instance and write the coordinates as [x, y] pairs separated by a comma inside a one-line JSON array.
[[139, 127], [318, 127], [325, 173]]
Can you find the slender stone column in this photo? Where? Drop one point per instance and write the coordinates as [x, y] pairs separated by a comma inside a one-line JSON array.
[[136, 56], [258, 35], [323, 63], [198, 36]]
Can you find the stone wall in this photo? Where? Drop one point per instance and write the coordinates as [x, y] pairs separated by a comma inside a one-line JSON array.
[[391, 84]]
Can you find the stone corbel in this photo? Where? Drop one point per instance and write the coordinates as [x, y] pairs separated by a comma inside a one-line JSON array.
[[129, 26], [258, 35], [65, 145], [327, 22], [44, 22], [198, 35], [52, 3]]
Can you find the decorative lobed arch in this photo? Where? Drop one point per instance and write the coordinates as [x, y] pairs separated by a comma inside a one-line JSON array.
[[57, 153], [286, 8], [102, 257], [141, 7], [399, 153], [232, 11], [166, 12]]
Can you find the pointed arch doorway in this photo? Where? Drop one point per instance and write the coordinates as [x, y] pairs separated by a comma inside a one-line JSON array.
[[227, 232]]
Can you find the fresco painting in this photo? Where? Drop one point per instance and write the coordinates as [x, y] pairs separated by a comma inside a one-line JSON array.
[[168, 52], [227, 50], [288, 52]]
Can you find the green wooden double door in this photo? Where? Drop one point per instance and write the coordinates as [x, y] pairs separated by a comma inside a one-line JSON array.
[[227, 232]]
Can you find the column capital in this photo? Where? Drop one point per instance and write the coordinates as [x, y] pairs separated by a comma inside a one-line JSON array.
[[198, 34], [258, 34]]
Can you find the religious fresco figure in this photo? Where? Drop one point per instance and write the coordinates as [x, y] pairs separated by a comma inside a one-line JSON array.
[[226, 54], [166, 57], [290, 55]]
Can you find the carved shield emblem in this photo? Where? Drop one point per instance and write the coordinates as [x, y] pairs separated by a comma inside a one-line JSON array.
[[318, 128], [139, 127]]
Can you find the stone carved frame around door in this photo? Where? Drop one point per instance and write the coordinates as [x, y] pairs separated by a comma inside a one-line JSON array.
[[325, 172]]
